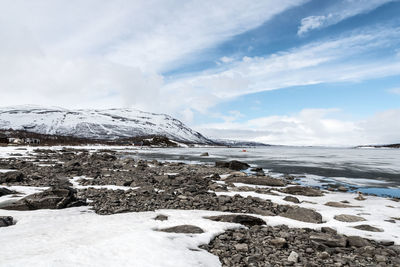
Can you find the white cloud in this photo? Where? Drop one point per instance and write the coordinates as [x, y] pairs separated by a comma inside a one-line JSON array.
[[339, 11], [395, 91], [312, 127]]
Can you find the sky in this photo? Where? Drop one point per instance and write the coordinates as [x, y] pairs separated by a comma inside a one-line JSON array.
[[290, 72]]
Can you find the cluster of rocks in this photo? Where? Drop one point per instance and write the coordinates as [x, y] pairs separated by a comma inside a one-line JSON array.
[[161, 185], [282, 246]]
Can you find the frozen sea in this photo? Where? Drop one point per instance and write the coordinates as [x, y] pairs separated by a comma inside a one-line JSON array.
[[369, 170]]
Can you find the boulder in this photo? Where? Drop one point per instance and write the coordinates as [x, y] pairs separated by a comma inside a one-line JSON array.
[[257, 180], [5, 191], [6, 221], [357, 241], [246, 220], [11, 177], [302, 214], [291, 199], [161, 217], [183, 229], [302, 190], [293, 257], [338, 205], [329, 240], [348, 218], [369, 228], [205, 154], [279, 242], [53, 198], [233, 165]]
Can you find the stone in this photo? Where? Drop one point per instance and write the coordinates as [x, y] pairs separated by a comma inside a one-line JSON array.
[[323, 255], [5, 191], [338, 205], [233, 165], [342, 189], [11, 177], [6, 221], [257, 180], [161, 217], [242, 247], [245, 220], [291, 199], [279, 242], [53, 198], [183, 229], [205, 154], [302, 190], [262, 212], [380, 258], [349, 218], [366, 227], [329, 240], [302, 214], [357, 241], [328, 230], [293, 257]]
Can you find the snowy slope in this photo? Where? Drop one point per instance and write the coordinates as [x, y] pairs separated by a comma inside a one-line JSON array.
[[96, 123]]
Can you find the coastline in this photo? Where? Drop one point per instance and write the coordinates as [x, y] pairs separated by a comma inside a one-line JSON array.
[[300, 220]]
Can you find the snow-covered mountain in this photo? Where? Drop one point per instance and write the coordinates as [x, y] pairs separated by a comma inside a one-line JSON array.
[[96, 123]]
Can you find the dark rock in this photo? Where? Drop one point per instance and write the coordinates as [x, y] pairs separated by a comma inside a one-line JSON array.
[[302, 190], [328, 230], [329, 240], [258, 180], [357, 241], [302, 214], [233, 165], [6, 221], [291, 199], [183, 229], [366, 227], [338, 205], [246, 220], [53, 198], [348, 218], [205, 154], [161, 217], [5, 191], [11, 177]]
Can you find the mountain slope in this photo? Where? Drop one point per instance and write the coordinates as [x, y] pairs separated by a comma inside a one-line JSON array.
[[96, 123]]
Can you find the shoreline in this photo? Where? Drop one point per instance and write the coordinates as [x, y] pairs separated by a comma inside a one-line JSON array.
[[113, 185]]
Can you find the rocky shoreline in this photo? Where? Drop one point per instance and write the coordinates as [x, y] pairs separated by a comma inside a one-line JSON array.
[[112, 182]]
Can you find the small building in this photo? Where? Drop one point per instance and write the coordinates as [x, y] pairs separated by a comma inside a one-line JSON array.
[[32, 141]]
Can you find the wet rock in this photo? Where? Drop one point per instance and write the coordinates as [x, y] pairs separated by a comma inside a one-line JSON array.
[[302, 190], [349, 218], [258, 180], [291, 199], [6, 221], [357, 241], [53, 198], [11, 177], [233, 165], [302, 214], [369, 228], [183, 229], [246, 220], [161, 217]]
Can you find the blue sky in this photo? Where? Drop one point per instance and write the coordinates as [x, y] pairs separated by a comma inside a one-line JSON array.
[[295, 72]]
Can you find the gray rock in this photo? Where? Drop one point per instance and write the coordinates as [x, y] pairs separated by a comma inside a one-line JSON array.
[[302, 214], [293, 257], [366, 227], [161, 217], [205, 154], [183, 229], [349, 218], [302, 190], [258, 180], [246, 220], [233, 165], [291, 199], [279, 242], [53, 198], [242, 247], [338, 205], [11, 177], [6, 221], [329, 240], [357, 241]]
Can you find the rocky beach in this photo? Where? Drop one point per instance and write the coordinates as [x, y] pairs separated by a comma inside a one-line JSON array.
[[236, 212]]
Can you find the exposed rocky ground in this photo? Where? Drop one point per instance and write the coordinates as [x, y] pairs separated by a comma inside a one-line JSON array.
[[153, 185]]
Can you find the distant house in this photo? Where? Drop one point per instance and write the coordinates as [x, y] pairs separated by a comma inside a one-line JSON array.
[[32, 141], [15, 141]]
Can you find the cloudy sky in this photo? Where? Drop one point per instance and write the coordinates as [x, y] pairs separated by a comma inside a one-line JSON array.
[[295, 72]]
